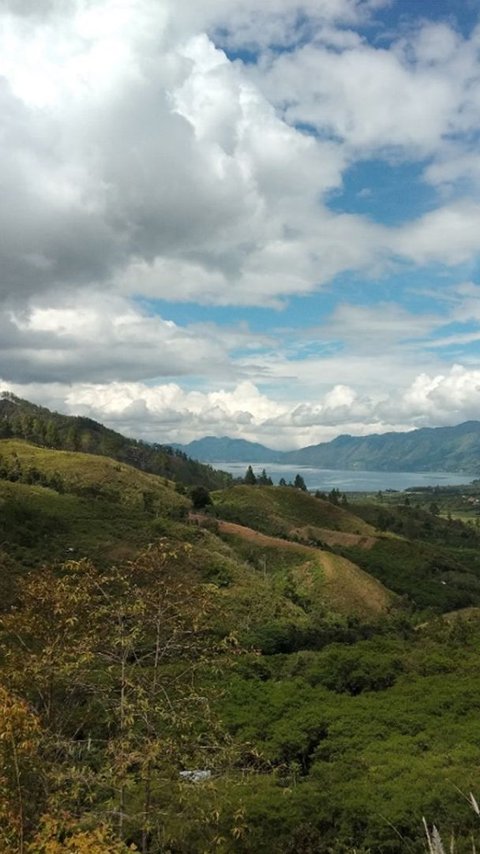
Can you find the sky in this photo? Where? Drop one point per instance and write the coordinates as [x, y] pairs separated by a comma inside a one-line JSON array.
[[239, 217]]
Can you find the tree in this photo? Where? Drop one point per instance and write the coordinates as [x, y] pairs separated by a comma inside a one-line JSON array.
[[200, 497], [51, 434], [299, 483], [20, 770], [250, 478]]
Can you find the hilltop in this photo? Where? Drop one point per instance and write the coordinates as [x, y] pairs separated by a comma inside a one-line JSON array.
[[24, 420]]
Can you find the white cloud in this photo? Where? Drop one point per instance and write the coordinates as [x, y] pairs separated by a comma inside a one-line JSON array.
[[408, 96], [140, 161], [138, 158], [448, 234]]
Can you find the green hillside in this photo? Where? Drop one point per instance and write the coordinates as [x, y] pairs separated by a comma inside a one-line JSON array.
[[24, 420], [87, 475], [57, 504], [283, 511], [241, 679]]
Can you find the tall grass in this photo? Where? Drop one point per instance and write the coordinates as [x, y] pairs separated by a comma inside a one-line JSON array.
[[435, 844]]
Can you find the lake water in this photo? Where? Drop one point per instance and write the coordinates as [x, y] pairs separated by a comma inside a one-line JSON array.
[[350, 481]]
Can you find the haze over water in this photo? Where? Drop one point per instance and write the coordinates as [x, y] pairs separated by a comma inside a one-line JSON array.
[[347, 480]]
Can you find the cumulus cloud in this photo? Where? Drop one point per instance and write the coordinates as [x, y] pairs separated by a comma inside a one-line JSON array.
[[144, 158], [139, 158], [409, 96]]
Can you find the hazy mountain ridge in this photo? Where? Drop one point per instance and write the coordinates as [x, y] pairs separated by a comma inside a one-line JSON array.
[[426, 449], [226, 449]]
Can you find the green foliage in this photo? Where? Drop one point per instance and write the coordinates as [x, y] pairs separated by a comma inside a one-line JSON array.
[[428, 576], [416, 523], [356, 731], [250, 478], [326, 729], [200, 497]]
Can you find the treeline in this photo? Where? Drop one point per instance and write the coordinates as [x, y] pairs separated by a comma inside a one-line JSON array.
[[23, 420], [263, 479]]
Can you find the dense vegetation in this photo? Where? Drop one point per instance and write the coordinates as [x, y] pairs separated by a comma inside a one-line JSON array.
[[233, 677]]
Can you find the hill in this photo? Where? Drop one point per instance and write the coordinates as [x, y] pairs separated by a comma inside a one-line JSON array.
[[428, 449], [430, 561], [24, 420], [283, 511], [56, 504]]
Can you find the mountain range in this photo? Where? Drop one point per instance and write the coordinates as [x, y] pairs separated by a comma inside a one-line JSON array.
[[427, 449]]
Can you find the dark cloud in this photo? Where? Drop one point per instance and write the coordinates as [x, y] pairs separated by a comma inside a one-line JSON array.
[[103, 340]]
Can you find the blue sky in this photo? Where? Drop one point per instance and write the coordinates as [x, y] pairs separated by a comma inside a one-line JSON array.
[[239, 218]]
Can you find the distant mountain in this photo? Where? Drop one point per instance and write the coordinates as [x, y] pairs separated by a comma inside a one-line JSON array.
[[427, 449], [213, 449], [20, 419]]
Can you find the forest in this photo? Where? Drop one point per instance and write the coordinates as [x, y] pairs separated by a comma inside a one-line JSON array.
[[273, 671]]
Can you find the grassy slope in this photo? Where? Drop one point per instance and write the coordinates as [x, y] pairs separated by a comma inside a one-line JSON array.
[[316, 578], [432, 569], [281, 511], [90, 475], [322, 579], [107, 511]]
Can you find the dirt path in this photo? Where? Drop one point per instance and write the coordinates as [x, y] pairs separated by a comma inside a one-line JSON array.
[[261, 539], [349, 589]]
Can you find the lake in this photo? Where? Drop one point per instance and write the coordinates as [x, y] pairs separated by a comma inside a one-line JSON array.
[[350, 481]]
